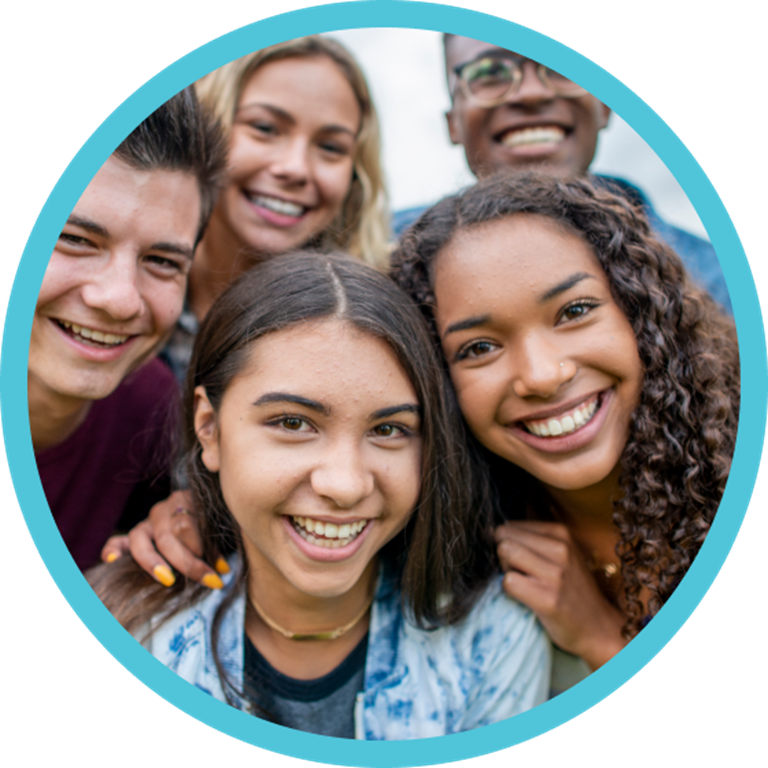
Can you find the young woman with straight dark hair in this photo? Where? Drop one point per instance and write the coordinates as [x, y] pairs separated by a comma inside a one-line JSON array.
[[327, 467]]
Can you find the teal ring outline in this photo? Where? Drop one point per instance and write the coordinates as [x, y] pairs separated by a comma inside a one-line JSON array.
[[398, 14]]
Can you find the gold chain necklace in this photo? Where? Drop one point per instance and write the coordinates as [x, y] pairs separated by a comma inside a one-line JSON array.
[[331, 634]]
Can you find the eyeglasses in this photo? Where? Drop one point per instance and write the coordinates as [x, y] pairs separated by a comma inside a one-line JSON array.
[[490, 80]]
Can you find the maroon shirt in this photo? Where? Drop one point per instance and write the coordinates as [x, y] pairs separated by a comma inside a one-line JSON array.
[[116, 465]]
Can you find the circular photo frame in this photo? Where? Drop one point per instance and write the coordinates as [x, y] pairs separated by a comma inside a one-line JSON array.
[[384, 13]]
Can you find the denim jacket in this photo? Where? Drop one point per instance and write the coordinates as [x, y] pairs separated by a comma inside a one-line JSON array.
[[492, 665]]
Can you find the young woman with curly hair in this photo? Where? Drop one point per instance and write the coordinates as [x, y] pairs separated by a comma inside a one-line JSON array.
[[600, 385]]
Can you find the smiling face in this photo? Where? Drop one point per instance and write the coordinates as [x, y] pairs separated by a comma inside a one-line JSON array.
[[318, 449], [292, 148], [533, 129], [544, 362], [114, 286]]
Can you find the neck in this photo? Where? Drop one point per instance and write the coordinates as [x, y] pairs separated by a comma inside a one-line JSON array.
[[219, 260], [591, 508], [52, 417]]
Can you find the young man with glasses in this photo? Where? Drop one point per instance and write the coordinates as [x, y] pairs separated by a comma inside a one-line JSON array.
[[509, 112]]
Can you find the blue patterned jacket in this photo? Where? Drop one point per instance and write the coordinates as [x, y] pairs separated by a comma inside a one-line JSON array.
[[494, 664]]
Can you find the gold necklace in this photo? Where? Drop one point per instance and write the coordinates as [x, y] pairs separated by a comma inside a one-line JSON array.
[[331, 634]]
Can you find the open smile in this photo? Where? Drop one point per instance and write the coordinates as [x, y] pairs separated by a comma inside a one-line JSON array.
[[275, 205], [567, 429], [570, 421], [325, 534], [90, 337]]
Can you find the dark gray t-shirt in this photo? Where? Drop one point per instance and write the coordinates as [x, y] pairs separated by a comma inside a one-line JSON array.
[[324, 706]]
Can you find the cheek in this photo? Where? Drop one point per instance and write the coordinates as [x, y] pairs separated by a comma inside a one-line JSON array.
[[334, 183], [60, 277], [166, 303]]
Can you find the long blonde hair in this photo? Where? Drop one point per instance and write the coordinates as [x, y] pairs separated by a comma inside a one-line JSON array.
[[362, 226]]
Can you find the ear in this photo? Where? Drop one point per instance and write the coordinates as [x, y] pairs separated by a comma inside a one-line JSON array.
[[605, 114], [206, 430], [453, 126]]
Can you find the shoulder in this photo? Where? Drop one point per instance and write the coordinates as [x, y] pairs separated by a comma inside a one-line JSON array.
[[401, 220], [490, 666], [183, 643]]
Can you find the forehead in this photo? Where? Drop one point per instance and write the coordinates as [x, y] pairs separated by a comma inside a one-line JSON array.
[[331, 361], [459, 50], [515, 257], [300, 78], [128, 203]]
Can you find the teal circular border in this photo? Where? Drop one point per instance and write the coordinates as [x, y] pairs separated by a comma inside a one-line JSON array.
[[383, 13]]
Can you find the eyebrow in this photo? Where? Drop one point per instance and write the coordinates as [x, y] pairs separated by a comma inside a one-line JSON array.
[[289, 118], [384, 413], [463, 325], [186, 251], [88, 225], [286, 397], [489, 53], [569, 282]]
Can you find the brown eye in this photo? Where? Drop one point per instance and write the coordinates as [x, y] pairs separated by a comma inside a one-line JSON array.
[[475, 350], [292, 423]]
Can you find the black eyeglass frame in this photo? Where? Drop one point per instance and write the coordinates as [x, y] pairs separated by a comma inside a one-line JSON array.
[[516, 64]]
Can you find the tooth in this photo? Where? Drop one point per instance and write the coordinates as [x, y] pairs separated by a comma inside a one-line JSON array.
[[311, 539], [345, 531], [310, 525], [331, 530], [319, 528], [97, 336], [76, 328], [568, 424], [578, 418], [86, 333], [543, 430], [554, 427]]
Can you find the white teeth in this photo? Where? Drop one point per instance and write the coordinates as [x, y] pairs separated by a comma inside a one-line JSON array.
[[538, 135], [566, 424], [111, 339], [333, 536], [278, 206]]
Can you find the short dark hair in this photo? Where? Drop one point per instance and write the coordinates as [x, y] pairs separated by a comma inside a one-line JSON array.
[[180, 135]]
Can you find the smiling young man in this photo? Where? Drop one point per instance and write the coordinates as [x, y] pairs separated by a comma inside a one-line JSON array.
[[112, 292], [512, 113]]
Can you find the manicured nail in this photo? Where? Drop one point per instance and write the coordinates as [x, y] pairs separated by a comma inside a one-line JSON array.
[[222, 566], [112, 556], [212, 581], [164, 575]]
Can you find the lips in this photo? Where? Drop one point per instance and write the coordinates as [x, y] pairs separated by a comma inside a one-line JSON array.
[[533, 136], [325, 534], [542, 433], [565, 423], [277, 205], [92, 337]]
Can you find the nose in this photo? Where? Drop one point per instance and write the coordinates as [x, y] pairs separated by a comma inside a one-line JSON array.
[[291, 161], [343, 476], [114, 289], [532, 90], [540, 368]]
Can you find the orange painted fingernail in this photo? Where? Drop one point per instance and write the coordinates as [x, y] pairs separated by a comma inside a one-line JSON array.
[[212, 581], [164, 575], [112, 556], [222, 566]]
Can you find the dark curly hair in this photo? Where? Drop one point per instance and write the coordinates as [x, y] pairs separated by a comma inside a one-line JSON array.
[[682, 435]]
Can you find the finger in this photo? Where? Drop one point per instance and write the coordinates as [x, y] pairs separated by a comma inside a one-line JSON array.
[[539, 527], [115, 547], [515, 556], [554, 550], [530, 592], [156, 556], [172, 516]]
